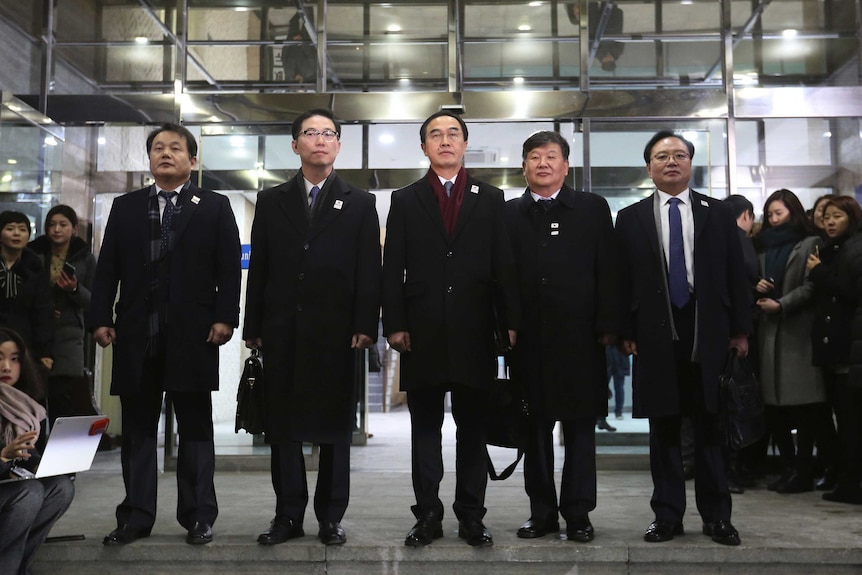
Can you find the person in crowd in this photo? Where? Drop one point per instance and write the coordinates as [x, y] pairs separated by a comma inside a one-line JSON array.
[[830, 340], [688, 302], [447, 263], [299, 59], [618, 368], [608, 51], [566, 256], [71, 270], [747, 462], [816, 214], [28, 509], [172, 251], [25, 298], [313, 298], [793, 387]]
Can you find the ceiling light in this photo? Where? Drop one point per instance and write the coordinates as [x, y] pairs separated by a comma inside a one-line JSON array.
[[12, 161], [393, 28], [789, 33], [518, 80], [524, 28], [142, 40]]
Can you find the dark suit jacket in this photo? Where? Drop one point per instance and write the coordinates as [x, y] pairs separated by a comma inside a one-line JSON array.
[[569, 284], [723, 301], [204, 267], [441, 289], [311, 286]]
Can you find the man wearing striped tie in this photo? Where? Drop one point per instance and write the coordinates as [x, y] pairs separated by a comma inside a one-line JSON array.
[[688, 302]]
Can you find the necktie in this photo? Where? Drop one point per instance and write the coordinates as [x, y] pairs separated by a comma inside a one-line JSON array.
[[312, 196], [448, 186], [679, 295], [167, 220], [546, 203]]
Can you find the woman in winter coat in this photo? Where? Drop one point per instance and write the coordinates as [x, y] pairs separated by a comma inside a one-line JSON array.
[[830, 341], [793, 388], [70, 268]]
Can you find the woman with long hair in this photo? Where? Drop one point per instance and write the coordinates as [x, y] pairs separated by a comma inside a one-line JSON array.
[[28, 509], [830, 341], [793, 388], [71, 270]]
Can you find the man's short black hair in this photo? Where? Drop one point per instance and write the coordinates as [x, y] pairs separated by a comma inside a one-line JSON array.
[[191, 143], [740, 205], [661, 135], [543, 138], [296, 126], [440, 114]]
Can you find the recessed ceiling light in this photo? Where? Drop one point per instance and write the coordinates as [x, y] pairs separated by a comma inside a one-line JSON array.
[[789, 33], [525, 28], [142, 40], [393, 28], [12, 161]]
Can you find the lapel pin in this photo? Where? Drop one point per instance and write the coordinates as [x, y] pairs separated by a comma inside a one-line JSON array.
[[704, 203], [337, 205], [474, 189], [196, 200]]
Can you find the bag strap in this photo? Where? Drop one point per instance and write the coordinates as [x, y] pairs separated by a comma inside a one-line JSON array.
[[506, 473]]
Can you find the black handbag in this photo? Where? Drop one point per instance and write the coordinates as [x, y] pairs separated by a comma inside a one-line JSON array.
[[250, 400], [507, 423], [741, 409]]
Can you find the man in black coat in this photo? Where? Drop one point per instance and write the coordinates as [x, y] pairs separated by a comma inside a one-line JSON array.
[[567, 260], [447, 259], [688, 302], [313, 298], [172, 250]]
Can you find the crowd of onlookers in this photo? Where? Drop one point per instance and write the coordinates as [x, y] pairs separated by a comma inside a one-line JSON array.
[[805, 273]]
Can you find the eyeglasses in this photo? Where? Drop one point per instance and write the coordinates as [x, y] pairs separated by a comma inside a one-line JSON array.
[[328, 135], [679, 157], [451, 135]]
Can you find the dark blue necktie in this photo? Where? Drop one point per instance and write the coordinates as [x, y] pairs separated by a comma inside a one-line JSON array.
[[167, 219], [312, 196], [546, 203], [679, 295], [448, 186]]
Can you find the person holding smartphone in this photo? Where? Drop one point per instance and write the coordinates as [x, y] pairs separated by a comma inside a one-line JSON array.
[[71, 268]]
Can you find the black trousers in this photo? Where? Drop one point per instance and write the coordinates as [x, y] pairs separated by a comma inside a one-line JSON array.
[[196, 498], [578, 485], [291, 486], [469, 409], [710, 481]]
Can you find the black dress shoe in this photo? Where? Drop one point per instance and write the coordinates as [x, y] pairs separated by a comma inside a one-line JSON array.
[[535, 528], [475, 532], [779, 481], [580, 530], [844, 495], [660, 530], [427, 529], [829, 480], [280, 530], [331, 533], [602, 423], [200, 534], [722, 532], [796, 484], [125, 534]]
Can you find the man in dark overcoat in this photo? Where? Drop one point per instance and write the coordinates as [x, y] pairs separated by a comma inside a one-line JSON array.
[[172, 250], [565, 249], [447, 259], [313, 298], [688, 301]]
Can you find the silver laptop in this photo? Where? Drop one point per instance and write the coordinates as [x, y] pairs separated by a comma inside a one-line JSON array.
[[71, 447]]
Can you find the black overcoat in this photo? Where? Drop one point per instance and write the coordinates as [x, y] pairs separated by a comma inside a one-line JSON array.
[[204, 267], [310, 288], [442, 288], [569, 284], [723, 301]]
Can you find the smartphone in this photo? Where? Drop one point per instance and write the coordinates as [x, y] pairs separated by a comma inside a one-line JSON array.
[[69, 269]]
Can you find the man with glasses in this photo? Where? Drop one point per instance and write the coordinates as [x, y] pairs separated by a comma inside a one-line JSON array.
[[688, 302], [447, 259], [313, 298]]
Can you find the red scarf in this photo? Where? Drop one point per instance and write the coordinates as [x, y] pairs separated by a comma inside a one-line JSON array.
[[449, 205]]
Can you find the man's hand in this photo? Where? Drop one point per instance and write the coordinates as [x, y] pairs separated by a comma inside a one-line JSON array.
[[360, 341], [220, 333], [630, 347], [254, 343], [400, 341], [740, 342], [105, 336], [513, 337]]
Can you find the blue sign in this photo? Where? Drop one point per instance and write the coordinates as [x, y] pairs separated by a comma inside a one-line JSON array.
[[246, 255]]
